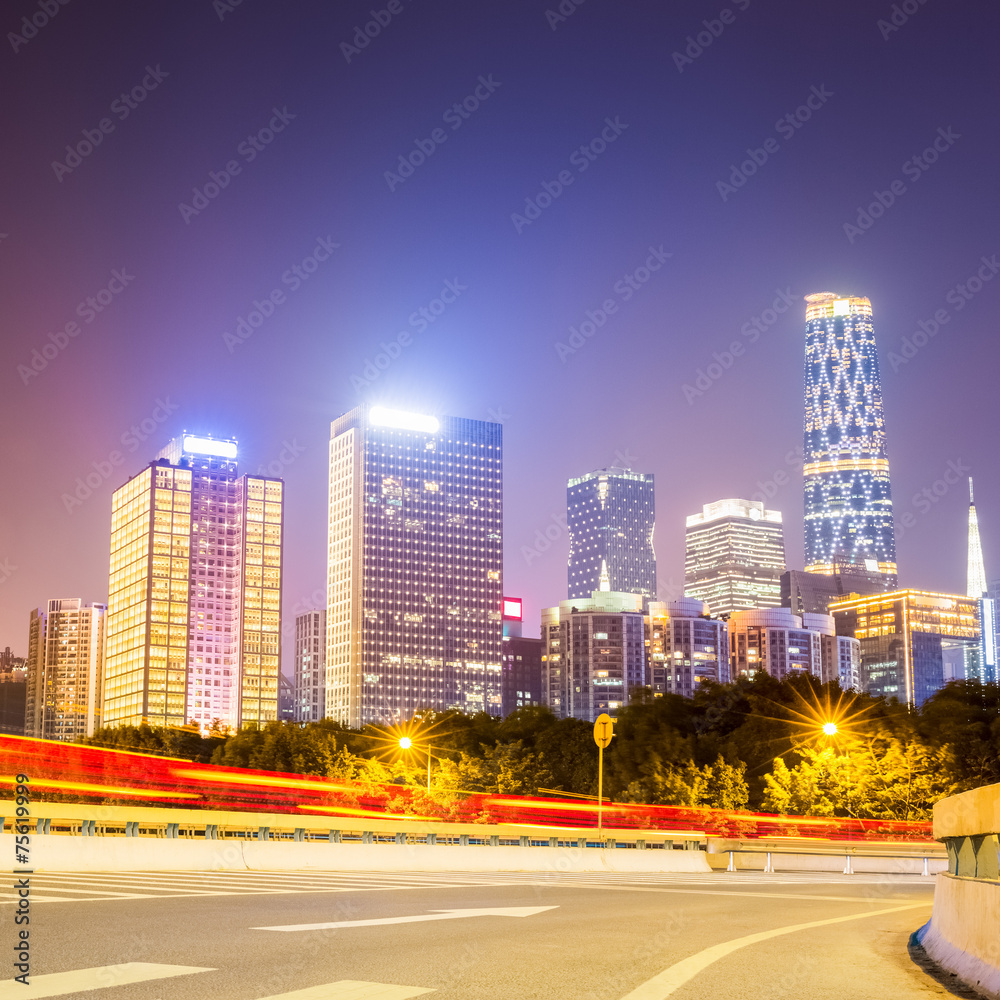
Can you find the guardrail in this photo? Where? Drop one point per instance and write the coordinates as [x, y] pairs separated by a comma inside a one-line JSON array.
[[849, 850], [72, 819]]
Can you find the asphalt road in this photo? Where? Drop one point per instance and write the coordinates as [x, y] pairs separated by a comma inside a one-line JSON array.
[[586, 937]]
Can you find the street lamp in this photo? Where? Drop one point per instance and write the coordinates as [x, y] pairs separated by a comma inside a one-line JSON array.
[[829, 728], [405, 743]]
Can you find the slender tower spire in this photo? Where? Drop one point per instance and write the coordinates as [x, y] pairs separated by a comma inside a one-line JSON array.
[[977, 569]]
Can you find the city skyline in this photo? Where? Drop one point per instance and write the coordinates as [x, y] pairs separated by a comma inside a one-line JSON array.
[[305, 284]]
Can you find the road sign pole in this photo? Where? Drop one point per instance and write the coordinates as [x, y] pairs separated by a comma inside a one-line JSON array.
[[600, 790], [603, 734]]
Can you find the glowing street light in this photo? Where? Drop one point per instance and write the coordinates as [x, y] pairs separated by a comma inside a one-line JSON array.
[[829, 728], [405, 743]]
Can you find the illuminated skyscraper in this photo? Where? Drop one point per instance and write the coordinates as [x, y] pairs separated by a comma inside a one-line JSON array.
[[415, 560], [64, 667], [610, 516], [194, 611], [848, 501], [983, 665], [734, 556]]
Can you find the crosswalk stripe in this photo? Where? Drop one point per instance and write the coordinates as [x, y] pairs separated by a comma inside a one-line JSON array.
[[353, 989], [59, 983]]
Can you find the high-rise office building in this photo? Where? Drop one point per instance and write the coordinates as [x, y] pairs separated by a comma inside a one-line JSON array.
[[848, 501], [610, 516], [735, 555], [684, 647], [64, 670], [595, 654], [911, 640], [521, 662], [982, 665], [194, 612], [415, 563], [310, 665]]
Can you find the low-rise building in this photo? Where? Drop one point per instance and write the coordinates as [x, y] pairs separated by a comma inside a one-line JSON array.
[[595, 654], [685, 647], [911, 641]]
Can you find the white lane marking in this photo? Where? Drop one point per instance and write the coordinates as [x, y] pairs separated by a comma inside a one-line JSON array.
[[681, 973], [495, 911], [58, 983], [353, 989]]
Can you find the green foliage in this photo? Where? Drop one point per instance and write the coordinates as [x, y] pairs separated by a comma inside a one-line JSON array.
[[755, 744]]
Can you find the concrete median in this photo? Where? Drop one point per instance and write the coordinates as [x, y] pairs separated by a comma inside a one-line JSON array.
[[118, 854]]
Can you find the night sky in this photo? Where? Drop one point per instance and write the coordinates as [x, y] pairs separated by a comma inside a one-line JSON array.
[[593, 144]]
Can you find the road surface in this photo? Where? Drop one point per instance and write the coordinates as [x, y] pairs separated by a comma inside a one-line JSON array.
[[384, 936]]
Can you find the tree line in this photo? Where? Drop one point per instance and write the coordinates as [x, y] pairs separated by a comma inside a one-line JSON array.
[[756, 744]]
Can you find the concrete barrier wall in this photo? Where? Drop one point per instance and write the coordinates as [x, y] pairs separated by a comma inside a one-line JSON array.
[[119, 854], [963, 935]]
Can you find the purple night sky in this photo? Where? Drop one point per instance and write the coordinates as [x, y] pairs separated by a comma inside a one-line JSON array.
[[663, 178]]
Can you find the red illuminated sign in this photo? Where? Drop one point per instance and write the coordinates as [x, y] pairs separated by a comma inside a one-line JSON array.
[[512, 607]]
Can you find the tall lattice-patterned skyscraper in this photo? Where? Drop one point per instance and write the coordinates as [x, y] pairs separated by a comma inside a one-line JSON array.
[[194, 608], [414, 567], [848, 500], [610, 515]]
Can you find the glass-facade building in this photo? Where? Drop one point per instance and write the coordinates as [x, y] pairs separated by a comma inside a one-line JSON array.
[[310, 665], [911, 640], [610, 516], [848, 500], [194, 607], [734, 556], [415, 564]]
